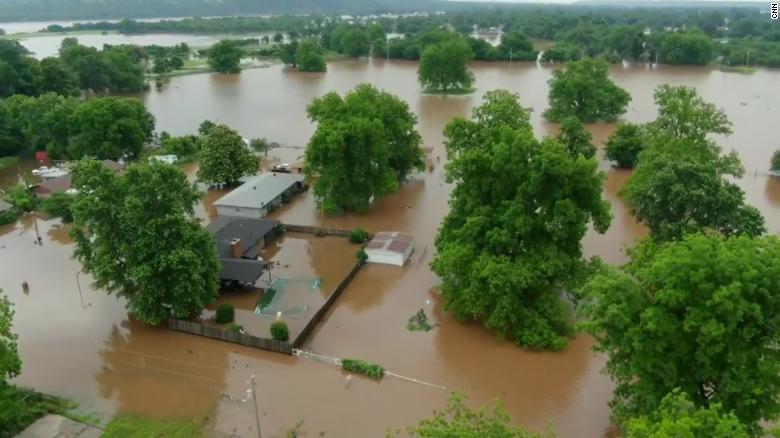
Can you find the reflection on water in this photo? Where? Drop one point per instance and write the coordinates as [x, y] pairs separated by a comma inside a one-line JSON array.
[[108, 362]]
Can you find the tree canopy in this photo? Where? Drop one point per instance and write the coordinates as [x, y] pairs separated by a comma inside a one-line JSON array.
[[224, 157], [678, 416], [110, 127], [225, 57], [701, 314], [625, 144], [443, 66], [687, 48], [461, 422], [510, 244], [365, 145], [576, 138], [309, 57], [583, 90], [10, 363], [682, 183], [136, 234]]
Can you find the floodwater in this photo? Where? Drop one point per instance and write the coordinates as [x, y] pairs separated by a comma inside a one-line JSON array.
[[95, 354]]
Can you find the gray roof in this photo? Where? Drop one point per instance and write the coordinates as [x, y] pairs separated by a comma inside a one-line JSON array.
[[243, 270], [4, 206], [250, 231], [260, 190]]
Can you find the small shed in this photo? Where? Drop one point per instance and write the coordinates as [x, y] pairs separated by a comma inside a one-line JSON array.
[[390, 247], [259, 195], [54, 185]]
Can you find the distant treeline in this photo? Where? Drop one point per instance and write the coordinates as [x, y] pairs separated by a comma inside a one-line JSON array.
[[30, 10], [674, 36]]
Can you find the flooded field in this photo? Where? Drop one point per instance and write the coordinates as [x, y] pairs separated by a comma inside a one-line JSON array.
[[91, 351]]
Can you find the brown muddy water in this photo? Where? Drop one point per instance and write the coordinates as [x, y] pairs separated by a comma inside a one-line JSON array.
[[109, 363]]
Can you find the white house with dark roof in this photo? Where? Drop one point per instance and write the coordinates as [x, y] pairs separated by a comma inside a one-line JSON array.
[[259, 195]]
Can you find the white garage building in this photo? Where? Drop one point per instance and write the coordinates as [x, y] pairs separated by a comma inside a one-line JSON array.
[[390, 247], [259, 195]]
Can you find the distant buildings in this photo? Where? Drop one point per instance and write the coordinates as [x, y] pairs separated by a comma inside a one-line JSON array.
[[63, 184], [259, 195]]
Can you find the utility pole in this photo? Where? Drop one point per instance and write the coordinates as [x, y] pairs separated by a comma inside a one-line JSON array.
[[747, 62], [510, 56], [254, 399], [387, 45]]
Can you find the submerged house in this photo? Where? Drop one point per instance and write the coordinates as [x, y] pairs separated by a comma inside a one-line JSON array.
[[390, 247], [240, 243], [259, 195]]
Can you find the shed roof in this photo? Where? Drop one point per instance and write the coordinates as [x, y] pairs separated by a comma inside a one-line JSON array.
[[243, 270], [250, 231], [392, 241], [4, 206], [54, 185], [259, 191]]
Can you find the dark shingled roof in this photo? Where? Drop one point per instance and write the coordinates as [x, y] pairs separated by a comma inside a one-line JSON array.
[[250, 231], [243, 270]]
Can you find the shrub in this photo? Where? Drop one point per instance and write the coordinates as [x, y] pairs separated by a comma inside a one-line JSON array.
[[625, 144], [363, 367], [279, 331], [235, 327], [59, 205], [358, 235], [225, 314], [7, 217], [21, 198], [131, 426], [361, 256], [776, 160]]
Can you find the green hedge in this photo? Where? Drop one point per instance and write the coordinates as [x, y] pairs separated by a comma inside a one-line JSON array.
[[358, 235], [362, 367], [361, 256], [279, 331], [225, 314], [7, 217]]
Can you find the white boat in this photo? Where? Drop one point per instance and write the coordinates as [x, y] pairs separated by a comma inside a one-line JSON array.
[[49, 172]]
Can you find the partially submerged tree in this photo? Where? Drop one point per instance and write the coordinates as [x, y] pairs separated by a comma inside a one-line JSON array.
[[700, 314], [59, 205], [459, 421], [682, 183], [443, 67], [309, 57], [583, 89], [625, 144], [774, 164], [136, 234], [224, 157], [365, 145], [225, 57], [678, 416], [510, 244]]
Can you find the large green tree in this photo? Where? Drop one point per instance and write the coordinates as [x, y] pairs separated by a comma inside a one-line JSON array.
[[17, 70], [309, 57], [678, 416], [701, 314], [110, 127], [510, 245], [137, 236], [625, 144], [44, 122], [687, 48], [583, 89], [225, 57], [354, 42], [458, 421], [54, 76], [682, 182], [365, 145], [443, 66], [224, 157]]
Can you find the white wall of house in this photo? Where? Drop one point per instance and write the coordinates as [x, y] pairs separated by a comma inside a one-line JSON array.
[[252, 213], [388, 257]]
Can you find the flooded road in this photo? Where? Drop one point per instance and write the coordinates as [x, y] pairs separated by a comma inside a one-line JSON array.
[[109, 363]]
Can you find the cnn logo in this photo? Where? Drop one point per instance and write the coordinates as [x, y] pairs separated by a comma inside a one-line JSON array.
[[773, 10]]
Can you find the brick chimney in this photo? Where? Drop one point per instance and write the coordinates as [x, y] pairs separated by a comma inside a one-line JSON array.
[[235, 248]]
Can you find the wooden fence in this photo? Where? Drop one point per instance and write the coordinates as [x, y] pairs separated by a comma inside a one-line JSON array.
[[316, 230], [317, 317], [223, 334]]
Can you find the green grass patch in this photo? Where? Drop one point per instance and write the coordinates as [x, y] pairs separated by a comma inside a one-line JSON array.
[[20, 407], [363, 367], [739, 69], [8, 162], [453, 91], [133, 426]]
